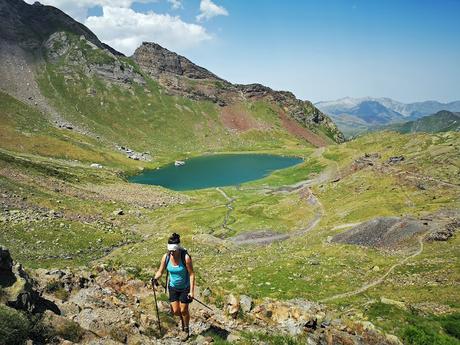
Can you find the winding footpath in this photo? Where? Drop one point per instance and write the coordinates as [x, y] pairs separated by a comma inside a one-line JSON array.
[[229, 206], [379, 280], [269, 236]]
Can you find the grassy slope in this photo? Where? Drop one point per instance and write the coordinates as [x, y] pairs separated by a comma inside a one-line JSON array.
[[442, 121], [145, 118], [25, 130]]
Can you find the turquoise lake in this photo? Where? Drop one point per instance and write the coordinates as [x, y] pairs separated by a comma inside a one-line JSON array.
[[215, 171]]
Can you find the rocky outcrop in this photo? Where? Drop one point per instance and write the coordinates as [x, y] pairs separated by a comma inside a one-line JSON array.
[[157, 61], [444, 233], [369, 159], [17, 286], [304, 112], [78, 51], [398, 233]]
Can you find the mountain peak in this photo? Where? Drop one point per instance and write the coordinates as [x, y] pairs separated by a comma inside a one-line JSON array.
[[30, 25], [157, 60]]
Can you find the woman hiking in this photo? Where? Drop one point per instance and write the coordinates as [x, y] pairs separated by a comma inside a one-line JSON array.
[[181, 285]]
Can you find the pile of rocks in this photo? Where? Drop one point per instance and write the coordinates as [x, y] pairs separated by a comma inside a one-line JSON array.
[[444, 233], [368, 159], [137, 156]]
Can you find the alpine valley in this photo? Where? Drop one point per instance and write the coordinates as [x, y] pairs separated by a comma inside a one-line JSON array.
[[356, 244], [357, 115]]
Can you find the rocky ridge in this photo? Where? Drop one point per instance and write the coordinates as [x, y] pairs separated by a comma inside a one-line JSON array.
[[182, 77], [40, 33]]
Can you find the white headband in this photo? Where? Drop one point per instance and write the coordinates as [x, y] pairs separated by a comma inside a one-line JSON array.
[[172, 247]]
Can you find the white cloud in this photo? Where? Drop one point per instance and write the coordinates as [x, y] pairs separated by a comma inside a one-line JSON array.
[[79, 9], [208, 9], [175, 4], [125, 29]]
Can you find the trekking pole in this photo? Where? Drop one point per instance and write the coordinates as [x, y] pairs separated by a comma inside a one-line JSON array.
[[194, 298], [156, 306]]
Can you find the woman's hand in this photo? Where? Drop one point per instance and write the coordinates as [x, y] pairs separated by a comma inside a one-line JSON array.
[[191, 296], [154, 282]]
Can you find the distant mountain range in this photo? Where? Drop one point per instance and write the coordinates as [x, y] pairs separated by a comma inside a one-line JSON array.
[[442, 121], [357, 115]]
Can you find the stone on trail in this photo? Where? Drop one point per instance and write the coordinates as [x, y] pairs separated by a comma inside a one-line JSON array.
[[245, 303], [398, 304], [233, 306], [118, 212]]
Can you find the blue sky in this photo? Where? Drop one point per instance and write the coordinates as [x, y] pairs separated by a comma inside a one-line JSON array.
[[408, 50]]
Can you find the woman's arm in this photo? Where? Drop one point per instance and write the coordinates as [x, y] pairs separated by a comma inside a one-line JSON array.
[[161, 269], [189, 265]]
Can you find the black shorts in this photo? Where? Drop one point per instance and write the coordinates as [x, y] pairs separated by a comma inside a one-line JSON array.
[[180, 295]]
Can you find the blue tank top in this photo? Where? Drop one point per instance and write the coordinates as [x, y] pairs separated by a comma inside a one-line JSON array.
[[178, 275]]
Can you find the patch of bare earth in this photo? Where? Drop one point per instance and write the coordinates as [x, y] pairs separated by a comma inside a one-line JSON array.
[[382, 232], [235, 117], [140, 195], [293, 127]]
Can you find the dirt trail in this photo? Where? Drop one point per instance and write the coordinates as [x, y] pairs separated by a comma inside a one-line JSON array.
[[343, 226], [379, 280], [229, 206], [269, 236]]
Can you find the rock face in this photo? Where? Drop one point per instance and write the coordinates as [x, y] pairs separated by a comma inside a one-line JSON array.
[[182, 77], [158, 61], [16, 284], [79, 51]]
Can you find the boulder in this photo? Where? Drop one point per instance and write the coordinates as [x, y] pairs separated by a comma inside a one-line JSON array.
[[6, 262], [392, 302], [245, 303], [233, 306], [395, 159], [118, 212], [59, 326], [233, 338]]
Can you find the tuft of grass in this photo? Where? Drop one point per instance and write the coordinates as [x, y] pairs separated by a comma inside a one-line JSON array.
[[14, 326], [415, 328]]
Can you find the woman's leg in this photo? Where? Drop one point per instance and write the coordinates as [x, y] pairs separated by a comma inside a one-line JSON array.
[[176, 309], [185, 314]]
